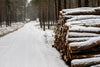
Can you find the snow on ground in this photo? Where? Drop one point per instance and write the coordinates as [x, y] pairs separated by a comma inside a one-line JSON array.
[[4, 30], [49, 37], [27, 48]]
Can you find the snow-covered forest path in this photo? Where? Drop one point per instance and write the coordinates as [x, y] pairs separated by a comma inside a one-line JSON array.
[[27, 48]]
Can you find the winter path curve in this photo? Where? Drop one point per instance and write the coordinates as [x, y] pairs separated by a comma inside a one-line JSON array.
[[27, 48]]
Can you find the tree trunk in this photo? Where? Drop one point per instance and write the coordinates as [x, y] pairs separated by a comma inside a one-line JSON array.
[[43, 9], [64, 4], [98, 2], [86, 4], [56, 12], [59, 7], [79, 3]]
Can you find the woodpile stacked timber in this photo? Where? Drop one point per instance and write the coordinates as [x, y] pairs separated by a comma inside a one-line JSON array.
[[77, 37], [60, 37], [60, 42]]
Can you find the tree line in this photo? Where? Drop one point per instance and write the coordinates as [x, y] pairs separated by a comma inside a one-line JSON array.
[[66, 4], [12, 11], [48, 10]]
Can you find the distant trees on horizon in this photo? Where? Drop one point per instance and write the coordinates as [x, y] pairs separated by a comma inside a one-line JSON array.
[[12, 11], [48, 10]]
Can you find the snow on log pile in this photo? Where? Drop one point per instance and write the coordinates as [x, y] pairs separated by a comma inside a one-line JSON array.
[[81, 11], [86, 62], [77, 36], [14, 26]]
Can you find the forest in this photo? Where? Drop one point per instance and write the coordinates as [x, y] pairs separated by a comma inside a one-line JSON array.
[[49, 33], [49, 9], [12, 11]]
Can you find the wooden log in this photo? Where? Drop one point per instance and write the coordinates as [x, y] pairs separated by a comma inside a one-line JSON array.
[[78, 46], [72, 18], [94, 50], [83, 56], [66, 43], [86, 23], [98, 65], [79, 39], [84, 13], [85, 62], [97, 25], [84, 29], [77, 34], [81, 12]]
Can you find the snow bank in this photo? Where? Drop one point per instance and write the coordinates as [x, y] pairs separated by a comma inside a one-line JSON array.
[[4, 30], [49, 37]]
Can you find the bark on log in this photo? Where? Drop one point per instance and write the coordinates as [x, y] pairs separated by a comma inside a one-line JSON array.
[[85, 29], [96, 12], [85, 62], [78, 46]]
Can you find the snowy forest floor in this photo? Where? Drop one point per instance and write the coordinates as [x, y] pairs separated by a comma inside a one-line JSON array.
[[29, 47], [14, 26]]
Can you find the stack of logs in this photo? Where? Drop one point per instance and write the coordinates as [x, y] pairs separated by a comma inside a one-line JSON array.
[[78, 40]]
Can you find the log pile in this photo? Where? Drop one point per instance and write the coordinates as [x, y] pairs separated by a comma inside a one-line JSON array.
[[78, 40]]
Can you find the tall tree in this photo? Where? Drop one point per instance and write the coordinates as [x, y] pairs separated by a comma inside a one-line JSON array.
[[79, 3], [0, 12], [65, 4], [98, 2], [86, 4]]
